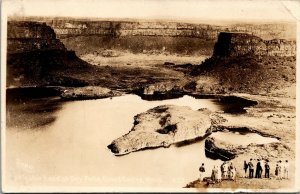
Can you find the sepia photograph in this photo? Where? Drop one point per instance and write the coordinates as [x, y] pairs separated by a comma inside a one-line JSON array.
[[149, 96]]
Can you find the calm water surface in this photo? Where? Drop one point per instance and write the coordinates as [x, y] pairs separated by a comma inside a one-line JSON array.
[[72, 147]]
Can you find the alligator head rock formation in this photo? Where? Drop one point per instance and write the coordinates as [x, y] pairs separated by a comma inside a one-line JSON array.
[[165, 125]]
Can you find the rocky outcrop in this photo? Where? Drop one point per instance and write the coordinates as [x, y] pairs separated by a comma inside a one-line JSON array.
[[218, 149], [163, 126], [162, 88], [88, 92], [238, 44]]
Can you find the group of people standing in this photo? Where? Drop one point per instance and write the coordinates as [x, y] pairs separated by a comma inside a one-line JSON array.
[[228, 171], [225, 171], [281, 170]]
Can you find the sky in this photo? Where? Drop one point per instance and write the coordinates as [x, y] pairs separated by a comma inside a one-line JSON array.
[[194, 10]]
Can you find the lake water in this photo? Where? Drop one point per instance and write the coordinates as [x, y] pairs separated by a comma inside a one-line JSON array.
[[70, 147]]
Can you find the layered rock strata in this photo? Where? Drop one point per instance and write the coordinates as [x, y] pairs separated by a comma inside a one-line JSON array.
[[31, 36], [72, 27]]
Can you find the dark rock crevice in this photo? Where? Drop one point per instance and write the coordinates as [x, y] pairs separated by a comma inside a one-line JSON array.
[[214, 152]]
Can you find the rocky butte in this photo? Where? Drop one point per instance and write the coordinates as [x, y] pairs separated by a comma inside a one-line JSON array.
[[246, 63], [36, 57], [238, 44]]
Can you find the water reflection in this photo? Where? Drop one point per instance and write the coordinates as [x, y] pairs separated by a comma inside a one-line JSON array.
[[33, 113]]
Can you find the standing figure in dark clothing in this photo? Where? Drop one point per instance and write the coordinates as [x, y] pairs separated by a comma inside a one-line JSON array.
[[267, 169], [258, 170], [251, 168], [201, 170], [245, 168]]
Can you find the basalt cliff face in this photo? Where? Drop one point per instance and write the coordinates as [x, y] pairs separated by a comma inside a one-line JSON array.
[[71, 27], [36, 57], [163, 37], [238, 44], [31, 36]]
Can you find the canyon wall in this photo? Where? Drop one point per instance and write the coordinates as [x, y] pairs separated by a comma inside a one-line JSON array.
[[86, 36], [165, 37], [31, 36], [237, 44], [71, 27]]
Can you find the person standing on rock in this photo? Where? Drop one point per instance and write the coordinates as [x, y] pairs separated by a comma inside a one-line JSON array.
[[230, 171], [245, 168], [258, 169], [222, 170], [225, 170], [277, 169], [233, 173], [262, 164], [286, 170], [251, 168], [280, 171], [261, 168], [267, 169], [201, 172], [213, 174], [219, 176]]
